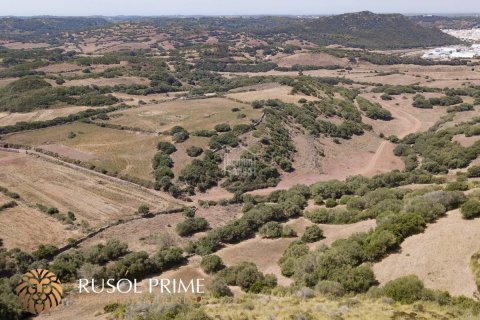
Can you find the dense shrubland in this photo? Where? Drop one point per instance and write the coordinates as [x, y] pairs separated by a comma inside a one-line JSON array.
[[373, 110], [29, 93], [103, 261], [437, 149]]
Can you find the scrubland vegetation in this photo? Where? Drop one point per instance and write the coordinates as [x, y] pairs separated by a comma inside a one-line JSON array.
[[164, 116]]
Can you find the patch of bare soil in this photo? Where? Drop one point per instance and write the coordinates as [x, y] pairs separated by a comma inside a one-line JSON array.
[[68, 152], [107, 81], [439, 256], [60, 68], [308, 59], [25, 45], [465, 141], [4, 82]]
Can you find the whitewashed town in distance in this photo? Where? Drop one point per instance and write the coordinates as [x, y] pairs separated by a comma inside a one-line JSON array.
[[458, 52]]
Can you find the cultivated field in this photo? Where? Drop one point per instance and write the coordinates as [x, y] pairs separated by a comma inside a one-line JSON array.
[[26, 227], [111, 149], [90, 197]]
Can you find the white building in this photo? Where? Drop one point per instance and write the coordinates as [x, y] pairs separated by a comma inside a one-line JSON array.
[[457, 52]]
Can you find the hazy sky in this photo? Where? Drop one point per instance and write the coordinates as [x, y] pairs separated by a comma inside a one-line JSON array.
[[230, 7]]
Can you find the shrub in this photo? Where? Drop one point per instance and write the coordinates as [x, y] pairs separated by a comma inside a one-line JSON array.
[[427, 209], [356, 203], [330, 203], [189, 212], [271, 230], [406, 289], [180, 136], [194, 151], [103, 253], [162, 160], [167, 258], [312, 234], [191, 226], [373, 110], [419, 101], [288, 232], [218, 288], [358, 279], [294, 251], [449, 199], [202, 173], [222, 127], [211, 263], [44, 252], [456, 185], [378, 243], [335, 216], [471, 209], [166, 147], [143, 209], [330, 288], [161, 172], [474, 171], [65, 265]]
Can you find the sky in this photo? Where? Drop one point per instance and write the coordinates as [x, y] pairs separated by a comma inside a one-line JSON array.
[[230, 7]]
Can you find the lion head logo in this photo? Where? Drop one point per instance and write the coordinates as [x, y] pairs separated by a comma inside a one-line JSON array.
[[39, 290]]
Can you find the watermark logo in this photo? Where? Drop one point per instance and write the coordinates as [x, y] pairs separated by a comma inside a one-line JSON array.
[[39, 291], [239, 162]]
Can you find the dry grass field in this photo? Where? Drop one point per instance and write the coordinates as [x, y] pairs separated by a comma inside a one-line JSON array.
[[180, 157], [308, 59], [430, 76], [26, 228], [25, 45], [91, 197], [190, 114], [439, 256], [8, 118], [115, 150], [268, 91], [107, 81]]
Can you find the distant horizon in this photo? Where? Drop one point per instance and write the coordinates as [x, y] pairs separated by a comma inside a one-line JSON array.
[[438, 14], [160, 8]]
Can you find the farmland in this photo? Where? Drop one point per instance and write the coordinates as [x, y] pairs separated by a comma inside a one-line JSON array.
[[302, 176]]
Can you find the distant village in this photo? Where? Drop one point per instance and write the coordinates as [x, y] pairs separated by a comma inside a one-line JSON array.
[[458, 52], [454, 52]]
